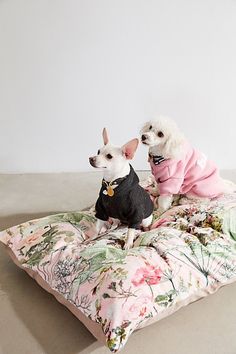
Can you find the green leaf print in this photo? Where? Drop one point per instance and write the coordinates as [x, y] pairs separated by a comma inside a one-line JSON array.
[[166, 299], [39, 251], [229, 223], [162, 300], [73, 218]]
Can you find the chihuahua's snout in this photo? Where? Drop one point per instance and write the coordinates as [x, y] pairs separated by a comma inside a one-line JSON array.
[[92, 161], [143, 137]]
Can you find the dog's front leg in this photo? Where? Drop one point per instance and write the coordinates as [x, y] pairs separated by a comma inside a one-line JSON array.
[[164, 203], [129, 239], [99, 225]]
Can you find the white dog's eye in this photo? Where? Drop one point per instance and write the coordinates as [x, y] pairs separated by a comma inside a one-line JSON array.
[[98, 152], [150, 128], [160, 134], [108, 156]]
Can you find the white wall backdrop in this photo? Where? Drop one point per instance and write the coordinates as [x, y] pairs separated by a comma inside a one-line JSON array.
[[70, 67]]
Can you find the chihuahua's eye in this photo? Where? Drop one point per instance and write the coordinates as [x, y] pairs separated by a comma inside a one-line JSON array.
[[150, 128], [98, 152], [108, 156], [160, 134]]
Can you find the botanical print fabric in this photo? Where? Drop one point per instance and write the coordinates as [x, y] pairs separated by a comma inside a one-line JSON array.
[[190, 248]]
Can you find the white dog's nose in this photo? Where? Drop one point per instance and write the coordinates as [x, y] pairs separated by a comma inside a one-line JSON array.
[[143, 137]]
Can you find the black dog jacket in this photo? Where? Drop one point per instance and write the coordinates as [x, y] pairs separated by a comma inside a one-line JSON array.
[[129, 203]]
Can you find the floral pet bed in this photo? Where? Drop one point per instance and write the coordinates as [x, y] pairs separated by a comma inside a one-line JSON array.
[[189, 253]]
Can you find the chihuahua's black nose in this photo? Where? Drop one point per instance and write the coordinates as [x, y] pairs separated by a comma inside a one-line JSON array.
[[143, 137], [92, 161]]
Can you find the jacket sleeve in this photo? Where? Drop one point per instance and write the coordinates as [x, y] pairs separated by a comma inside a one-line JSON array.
[[171, 182], [135, 220], [100, 211], [135, 215], [170, 186]]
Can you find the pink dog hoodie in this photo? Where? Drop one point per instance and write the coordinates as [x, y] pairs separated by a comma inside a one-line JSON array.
[[193, 174]]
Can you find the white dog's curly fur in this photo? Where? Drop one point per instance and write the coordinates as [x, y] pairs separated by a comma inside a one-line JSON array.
[[164, 138]]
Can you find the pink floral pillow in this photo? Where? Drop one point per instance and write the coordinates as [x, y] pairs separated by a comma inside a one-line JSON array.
[[189, 254]]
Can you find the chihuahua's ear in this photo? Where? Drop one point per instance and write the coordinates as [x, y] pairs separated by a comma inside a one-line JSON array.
[[129, 148], [105, 136]]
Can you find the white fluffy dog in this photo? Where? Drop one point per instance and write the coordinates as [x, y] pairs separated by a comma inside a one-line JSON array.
[[177, 167]]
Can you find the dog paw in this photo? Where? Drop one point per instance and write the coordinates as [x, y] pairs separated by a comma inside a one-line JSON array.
[[128, 245]]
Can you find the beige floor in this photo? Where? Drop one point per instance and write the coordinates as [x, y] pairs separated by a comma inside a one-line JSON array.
[[33, 322]]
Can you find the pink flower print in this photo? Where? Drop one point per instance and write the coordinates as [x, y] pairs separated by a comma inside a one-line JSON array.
[[31, 240], [140, 307], [159, 222], [143, 311], [149, 274]]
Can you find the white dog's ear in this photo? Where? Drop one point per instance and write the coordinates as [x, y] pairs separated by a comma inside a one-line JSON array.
[[129, 148], [105, 136], [173, 146], [145, 127]]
